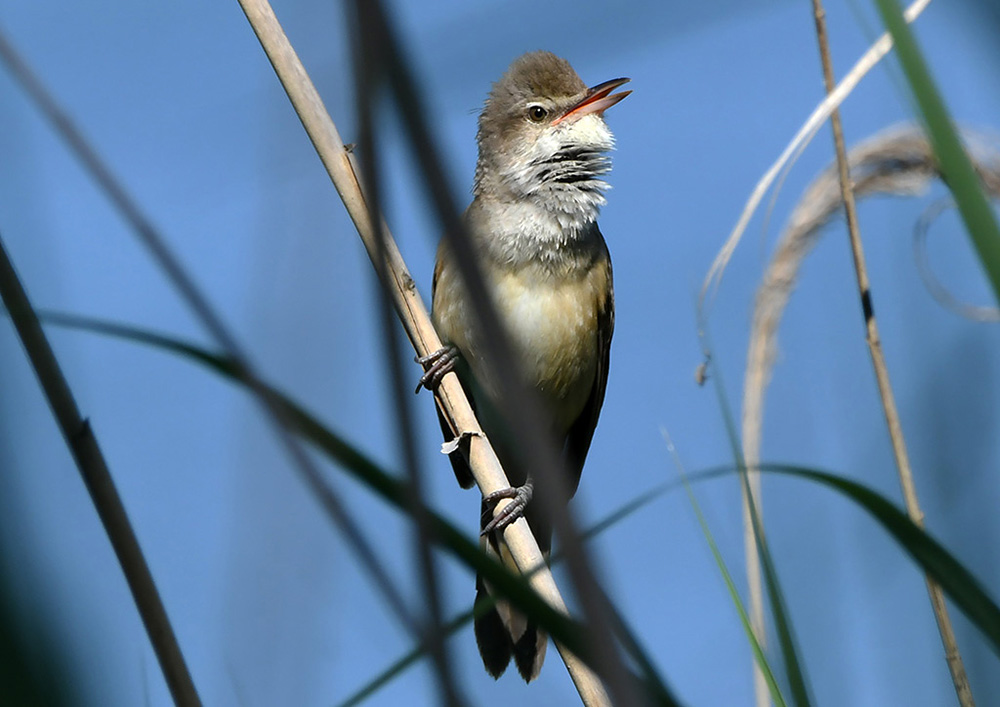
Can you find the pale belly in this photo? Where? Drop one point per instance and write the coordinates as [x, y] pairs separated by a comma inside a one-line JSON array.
[[555, 330]]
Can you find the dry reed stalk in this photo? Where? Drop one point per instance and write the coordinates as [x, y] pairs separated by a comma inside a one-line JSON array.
[[872, 336], [100, 485], [802, 138], [411, 310], [899, 161], [150, 237]]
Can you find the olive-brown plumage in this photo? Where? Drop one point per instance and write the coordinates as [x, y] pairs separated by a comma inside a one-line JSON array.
[[533, 220]]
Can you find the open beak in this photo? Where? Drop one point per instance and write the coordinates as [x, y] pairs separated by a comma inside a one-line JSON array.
[[597, 100]]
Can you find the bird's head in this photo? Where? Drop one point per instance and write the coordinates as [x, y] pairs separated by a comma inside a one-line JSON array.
[[542, 135]]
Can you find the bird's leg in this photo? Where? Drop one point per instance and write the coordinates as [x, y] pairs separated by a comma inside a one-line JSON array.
[[520, 497], [436, 365]]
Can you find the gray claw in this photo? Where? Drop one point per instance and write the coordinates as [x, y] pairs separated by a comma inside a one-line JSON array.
[[436, 366], [520, 497]]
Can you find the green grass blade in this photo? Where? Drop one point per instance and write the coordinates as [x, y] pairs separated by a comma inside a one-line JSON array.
[[929, 555], [460, 621], [734, 595], [956, 167], [960, 585], [779, 608], [399, 666], [957, 582], [507, 584]]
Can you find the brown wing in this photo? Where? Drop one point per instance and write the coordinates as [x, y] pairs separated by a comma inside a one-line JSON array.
[[582, 432], [458, 464], [438, 267]]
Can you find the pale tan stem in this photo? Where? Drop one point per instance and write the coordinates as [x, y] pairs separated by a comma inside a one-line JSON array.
[[798, 143], [751, 422], [761, 691], [411, 310], [952, 655]]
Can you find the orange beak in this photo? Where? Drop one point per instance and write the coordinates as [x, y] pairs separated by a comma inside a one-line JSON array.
[[597, 100]]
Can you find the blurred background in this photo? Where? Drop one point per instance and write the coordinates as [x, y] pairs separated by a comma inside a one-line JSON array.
[[269, 606]]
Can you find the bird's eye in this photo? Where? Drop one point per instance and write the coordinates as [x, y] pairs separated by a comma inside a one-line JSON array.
[[536, 113]]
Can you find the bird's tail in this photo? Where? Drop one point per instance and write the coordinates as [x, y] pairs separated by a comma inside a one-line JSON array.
[[502, 631]]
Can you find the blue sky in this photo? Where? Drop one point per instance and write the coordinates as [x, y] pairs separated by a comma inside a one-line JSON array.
[[267, 601]]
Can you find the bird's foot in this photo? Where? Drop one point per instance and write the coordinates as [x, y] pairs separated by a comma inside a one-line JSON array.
[[520, 497], [436, 365]]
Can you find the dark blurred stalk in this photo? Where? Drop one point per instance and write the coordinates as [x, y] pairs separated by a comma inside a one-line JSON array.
[[368, 72], [413, 314], [794, 667], [97, 478], [33, 665], [521, 409], [358, 466], [151, 238], [952, 655]]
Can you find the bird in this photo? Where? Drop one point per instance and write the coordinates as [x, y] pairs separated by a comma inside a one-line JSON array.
[[537, 193]]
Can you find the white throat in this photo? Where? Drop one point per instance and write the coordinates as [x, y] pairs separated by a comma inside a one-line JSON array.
[[548, 191]]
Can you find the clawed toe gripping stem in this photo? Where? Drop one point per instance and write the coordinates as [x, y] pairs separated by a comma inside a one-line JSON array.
[[436, 366], [520, 497]]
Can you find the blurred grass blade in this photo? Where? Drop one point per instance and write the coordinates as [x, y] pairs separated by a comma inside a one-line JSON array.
[[958, 582], [460, 621], [509, 585], [399, 666], [959, 174], [758, 652], [519, 407], [143, 228], [352, 460], [96, 476], [779, 609], [960, 585], [734, 595]]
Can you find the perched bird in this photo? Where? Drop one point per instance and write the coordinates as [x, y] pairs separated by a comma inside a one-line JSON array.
[[533, 221]]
